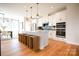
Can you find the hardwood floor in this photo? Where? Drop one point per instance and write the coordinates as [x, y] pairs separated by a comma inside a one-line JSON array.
[[54, 48]]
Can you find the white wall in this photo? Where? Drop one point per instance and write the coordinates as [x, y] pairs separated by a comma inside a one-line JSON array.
[[71, 17], [27, 26], [73, 24]]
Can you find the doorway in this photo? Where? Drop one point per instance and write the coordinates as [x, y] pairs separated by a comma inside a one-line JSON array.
[[15, 29]]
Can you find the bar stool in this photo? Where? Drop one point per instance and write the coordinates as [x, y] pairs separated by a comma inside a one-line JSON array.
[[26, 39], [22, 40], [20, 37], [31, 41]]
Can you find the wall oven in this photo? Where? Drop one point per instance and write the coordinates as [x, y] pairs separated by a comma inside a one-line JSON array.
[[61, 29]]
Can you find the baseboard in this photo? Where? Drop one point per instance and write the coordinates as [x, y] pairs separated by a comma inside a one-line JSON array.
[[72, 43], [69, 42]]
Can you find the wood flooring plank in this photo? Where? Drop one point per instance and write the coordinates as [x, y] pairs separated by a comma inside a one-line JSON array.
[[54, 48]]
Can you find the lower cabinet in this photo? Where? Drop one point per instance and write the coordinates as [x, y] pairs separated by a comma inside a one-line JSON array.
[[32, 41]]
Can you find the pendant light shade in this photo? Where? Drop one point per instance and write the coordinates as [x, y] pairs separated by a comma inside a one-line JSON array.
[[37, 15], [26, 15], [31, 12], [37, 10]]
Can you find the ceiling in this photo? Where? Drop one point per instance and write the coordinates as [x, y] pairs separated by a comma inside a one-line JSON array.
[[20, 8]]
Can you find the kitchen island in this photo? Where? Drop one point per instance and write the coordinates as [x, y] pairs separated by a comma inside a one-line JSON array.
[[36, 40]]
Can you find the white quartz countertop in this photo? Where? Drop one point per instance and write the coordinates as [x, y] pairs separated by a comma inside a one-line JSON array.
[[32, 33]]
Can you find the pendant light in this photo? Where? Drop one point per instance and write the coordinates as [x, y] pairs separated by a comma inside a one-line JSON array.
[[26, 15], [37, 10], [37, 15], [31, 12]]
